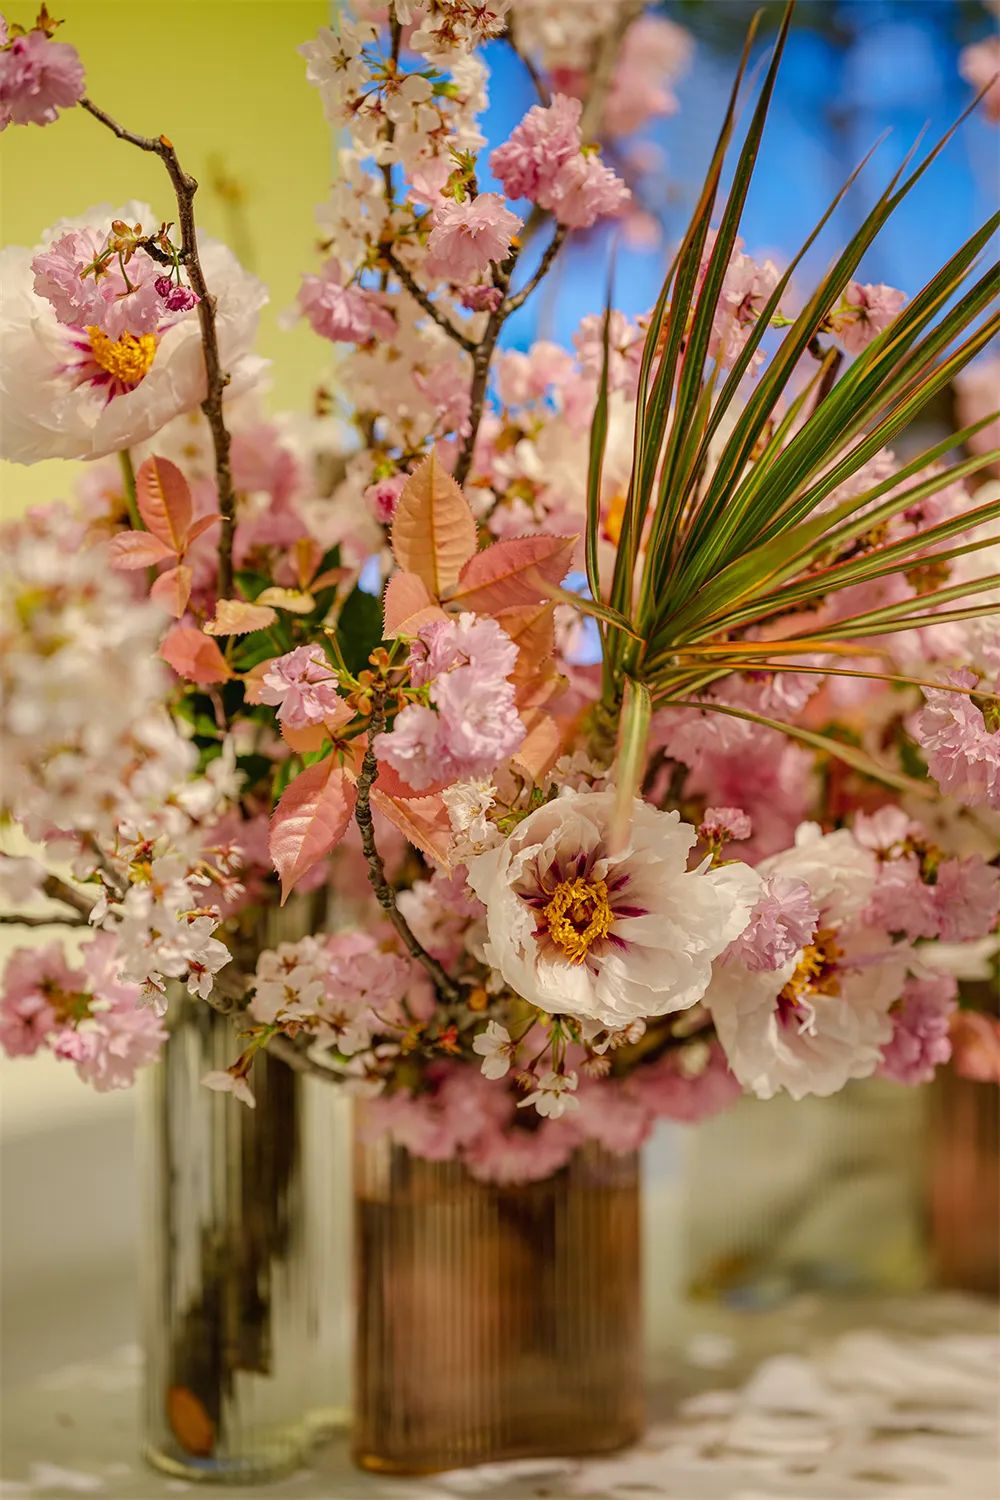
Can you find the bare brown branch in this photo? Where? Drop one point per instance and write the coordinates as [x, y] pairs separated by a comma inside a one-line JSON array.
[[384, 893], [216, 379], [418, 294]]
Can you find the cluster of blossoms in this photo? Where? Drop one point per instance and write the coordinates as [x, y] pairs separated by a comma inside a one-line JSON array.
[[88, 1015], [329, 664], [470, 724], [38, 76]]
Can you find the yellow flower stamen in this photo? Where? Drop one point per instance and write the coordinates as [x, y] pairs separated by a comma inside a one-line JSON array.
[[126, 359], [816, 971], [577, 916]]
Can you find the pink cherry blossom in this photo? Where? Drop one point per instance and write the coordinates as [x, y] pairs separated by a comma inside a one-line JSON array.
[[466, 641], [175, 298], [967, 898], [625, 342], [109, 301], [962, 750], [866, 311], [428, 181], [674, 1090], [725, 823], [528, 163], [361, 973], [33, 979], [980, 65], [303, 687], [523, 377], [458, 1106], [467, 237], [113, 1044], [481, 298], [473, 725], [544, 161], [586, 190], [901, 901], [342, 313], [975, 392], [920, 1040], [614, 1114], [746, 289], [38, 78], [654, 51], [516, 1155], [447, 389], [382, 497], [782, 923]]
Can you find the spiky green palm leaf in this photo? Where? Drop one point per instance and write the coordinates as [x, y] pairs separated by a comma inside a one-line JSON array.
[[721, 535]]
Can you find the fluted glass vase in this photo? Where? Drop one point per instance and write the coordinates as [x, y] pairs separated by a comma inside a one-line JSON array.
[[246, 1263], [964, 1185], [493, 1322]]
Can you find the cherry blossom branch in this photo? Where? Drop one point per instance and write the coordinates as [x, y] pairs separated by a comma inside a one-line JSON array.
[[384, 893], [54, 919], [216, 378], [544, 265], [56, 890], [283, 1048], [418, 294], [61, 890], [481, 368]]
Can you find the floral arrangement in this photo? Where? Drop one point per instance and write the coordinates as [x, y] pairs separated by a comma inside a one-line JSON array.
[[651, 697]]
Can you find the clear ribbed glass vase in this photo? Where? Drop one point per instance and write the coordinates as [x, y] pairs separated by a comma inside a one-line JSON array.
[[246, 1262], [494, 1322]]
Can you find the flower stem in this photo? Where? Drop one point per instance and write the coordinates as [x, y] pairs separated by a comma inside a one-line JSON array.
[[131, 500]]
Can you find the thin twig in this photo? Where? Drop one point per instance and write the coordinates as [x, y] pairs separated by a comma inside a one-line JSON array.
[[54, 919], [283, 1048], [419, 295], [61, 890], [544, 266], [384, 893], [216, 378], [481, 367]]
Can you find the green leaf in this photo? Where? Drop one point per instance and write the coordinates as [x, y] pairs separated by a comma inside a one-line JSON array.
[[359, 628], [598, 442]]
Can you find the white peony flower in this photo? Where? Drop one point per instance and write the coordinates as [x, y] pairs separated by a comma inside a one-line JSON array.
[[823, 1017], [51, 406], [612, 937]]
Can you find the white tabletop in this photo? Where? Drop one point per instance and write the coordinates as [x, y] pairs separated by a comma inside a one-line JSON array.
[[815, 1401]]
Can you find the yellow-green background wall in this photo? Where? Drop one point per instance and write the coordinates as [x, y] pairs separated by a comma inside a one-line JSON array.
[[222, 78]]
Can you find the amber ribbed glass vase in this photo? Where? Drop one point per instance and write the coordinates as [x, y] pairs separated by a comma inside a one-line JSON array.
[[494, 1322], [964, 1196]]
